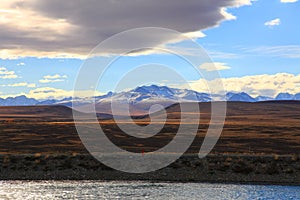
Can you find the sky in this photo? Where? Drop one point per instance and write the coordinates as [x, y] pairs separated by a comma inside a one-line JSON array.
[[254, 45]]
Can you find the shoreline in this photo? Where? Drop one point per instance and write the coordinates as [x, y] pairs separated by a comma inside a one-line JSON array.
[[225, 169], [154, 181]]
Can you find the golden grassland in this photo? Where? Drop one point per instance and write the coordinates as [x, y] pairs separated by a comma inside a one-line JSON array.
[[250, 128]]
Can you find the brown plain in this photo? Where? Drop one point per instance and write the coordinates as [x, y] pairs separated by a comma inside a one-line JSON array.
[[250, 128]]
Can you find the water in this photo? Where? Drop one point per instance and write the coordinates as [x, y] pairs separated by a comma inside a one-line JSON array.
[[140, 190]]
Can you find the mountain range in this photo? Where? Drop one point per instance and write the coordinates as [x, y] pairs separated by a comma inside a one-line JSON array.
[[146, 94]]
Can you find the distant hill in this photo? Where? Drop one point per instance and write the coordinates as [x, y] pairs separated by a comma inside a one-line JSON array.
[[38, 113], [285, 96], [244, 97], [18, 101]]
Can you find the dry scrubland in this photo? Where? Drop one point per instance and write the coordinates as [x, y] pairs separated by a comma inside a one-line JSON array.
[[260, 142]]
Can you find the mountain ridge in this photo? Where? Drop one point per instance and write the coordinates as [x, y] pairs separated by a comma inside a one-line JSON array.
[[151, 93]]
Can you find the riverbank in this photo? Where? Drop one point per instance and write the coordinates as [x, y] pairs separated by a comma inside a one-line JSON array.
[[258, 169]]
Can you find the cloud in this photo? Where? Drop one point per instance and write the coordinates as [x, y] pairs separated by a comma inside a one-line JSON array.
[[194, 35], [214, 66], [274, 22], [21, 64], [222, 55], [55, 28], [288, 1], [22, 84], [52, 93], [285, 51], [49, 93], [53, 78], [265, 84], [6, 74]]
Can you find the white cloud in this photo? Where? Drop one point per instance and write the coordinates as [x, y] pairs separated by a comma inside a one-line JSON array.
[[21, 64], [22, 84], [53, 78], [285, 51], [227, 15], [6, 74], [214, 66], [274, 22], [265, 84], [56, 76], [288, 1], [222, 55], [50, 80], [77, 27], [52, 93], [194, 35]]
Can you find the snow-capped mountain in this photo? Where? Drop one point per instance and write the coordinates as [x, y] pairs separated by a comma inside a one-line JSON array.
[[155, 93], [143, 95]]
